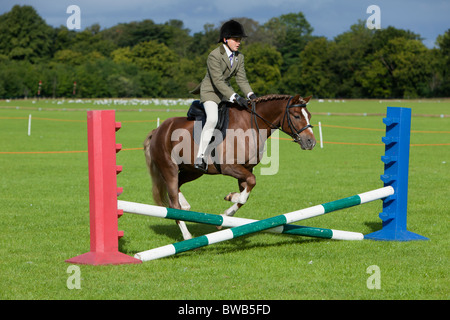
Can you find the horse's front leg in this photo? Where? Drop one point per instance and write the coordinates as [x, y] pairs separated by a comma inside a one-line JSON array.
[[239, 198], [247, 182]]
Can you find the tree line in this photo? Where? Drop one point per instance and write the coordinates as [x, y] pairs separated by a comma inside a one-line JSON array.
[[146, 59]]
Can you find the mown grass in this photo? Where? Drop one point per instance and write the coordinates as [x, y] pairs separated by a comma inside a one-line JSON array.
[[44, 203]]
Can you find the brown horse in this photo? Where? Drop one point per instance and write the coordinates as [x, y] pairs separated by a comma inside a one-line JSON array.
[[170, 149]]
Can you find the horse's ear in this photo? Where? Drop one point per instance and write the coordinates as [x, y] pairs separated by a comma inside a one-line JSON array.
[[307, 99], [296, 99]]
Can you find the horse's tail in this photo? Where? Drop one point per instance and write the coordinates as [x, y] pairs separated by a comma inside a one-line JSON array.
[[159, 188]]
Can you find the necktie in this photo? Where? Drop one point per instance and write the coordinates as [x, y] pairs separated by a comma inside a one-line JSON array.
[[231, 59]]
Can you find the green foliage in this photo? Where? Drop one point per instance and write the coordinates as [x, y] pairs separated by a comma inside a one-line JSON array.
[[155, 56], [146, 59], [443, 56], [25, 35], [290, 33], [263, 64], [316, 77]]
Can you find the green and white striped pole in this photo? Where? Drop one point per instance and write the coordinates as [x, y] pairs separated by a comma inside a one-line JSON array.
[[231, 222], [265, 224]]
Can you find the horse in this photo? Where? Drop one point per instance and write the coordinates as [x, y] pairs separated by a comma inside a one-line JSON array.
[[170, 159]]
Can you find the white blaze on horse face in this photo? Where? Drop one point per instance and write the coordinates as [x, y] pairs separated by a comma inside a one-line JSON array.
[[305, 114]]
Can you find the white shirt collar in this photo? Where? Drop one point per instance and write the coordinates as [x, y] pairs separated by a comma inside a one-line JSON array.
[[229, 52]]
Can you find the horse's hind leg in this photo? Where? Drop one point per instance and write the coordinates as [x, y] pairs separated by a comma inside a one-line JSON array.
[[184, 206], [175, 203], [170, 175], [183, 177]]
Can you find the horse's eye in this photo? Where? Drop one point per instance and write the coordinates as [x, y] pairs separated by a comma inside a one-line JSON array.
[[297, 117]]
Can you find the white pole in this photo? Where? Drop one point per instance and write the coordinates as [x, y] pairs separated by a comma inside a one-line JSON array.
[[265, 224], [228, 222], [29, 125], [157, 123], [320, 133]]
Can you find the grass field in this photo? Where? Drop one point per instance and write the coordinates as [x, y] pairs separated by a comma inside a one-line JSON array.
[[44, 210]]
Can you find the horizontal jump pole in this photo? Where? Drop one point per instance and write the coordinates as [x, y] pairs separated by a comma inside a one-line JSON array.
[[231, 222], [265, 224]]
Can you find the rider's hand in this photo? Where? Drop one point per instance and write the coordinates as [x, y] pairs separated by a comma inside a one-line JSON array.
[[252, 96], [241, 101]]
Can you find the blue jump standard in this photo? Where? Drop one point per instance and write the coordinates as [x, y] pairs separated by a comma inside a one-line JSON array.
[[396, 166]]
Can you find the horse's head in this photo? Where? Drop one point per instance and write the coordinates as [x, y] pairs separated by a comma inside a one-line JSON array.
[[296, 122]]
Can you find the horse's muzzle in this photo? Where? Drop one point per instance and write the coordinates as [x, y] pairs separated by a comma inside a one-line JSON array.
[[307, 142]]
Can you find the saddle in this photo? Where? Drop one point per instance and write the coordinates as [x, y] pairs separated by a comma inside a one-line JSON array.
[[197, 112]]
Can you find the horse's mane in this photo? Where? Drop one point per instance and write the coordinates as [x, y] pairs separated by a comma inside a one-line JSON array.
[[271, 97]]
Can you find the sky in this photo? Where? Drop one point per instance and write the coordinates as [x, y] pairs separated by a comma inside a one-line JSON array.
[[328, 18]]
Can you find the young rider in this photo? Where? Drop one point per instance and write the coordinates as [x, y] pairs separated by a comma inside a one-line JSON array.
[[223, 63]]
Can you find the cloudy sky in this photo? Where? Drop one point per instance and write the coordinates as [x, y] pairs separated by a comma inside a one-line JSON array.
[[328, 17]]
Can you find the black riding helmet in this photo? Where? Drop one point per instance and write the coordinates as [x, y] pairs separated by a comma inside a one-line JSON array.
[[231, 29]]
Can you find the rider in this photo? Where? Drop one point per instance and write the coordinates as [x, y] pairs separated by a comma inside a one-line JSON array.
[[223, 63]]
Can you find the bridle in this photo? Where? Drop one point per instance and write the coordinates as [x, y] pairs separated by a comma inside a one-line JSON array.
[[295, 134]]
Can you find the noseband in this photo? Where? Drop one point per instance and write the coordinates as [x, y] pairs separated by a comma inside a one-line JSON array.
[[295, 134]]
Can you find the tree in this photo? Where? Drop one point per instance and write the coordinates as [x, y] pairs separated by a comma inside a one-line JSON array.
[[383, 36], [59, 79], [202, 41], [443, 41], [289, 34], [399, 69], [25, 35], [375, 79], [316, 77], [262, 64], [122, 55], [179, 40], [151, 55], [411, 67], [69, 57], [93, 78], [63, 38], [133, 33], [350, 55], [91, 39]]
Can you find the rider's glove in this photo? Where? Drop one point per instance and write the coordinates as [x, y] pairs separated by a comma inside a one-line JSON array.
[[241, 101]]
